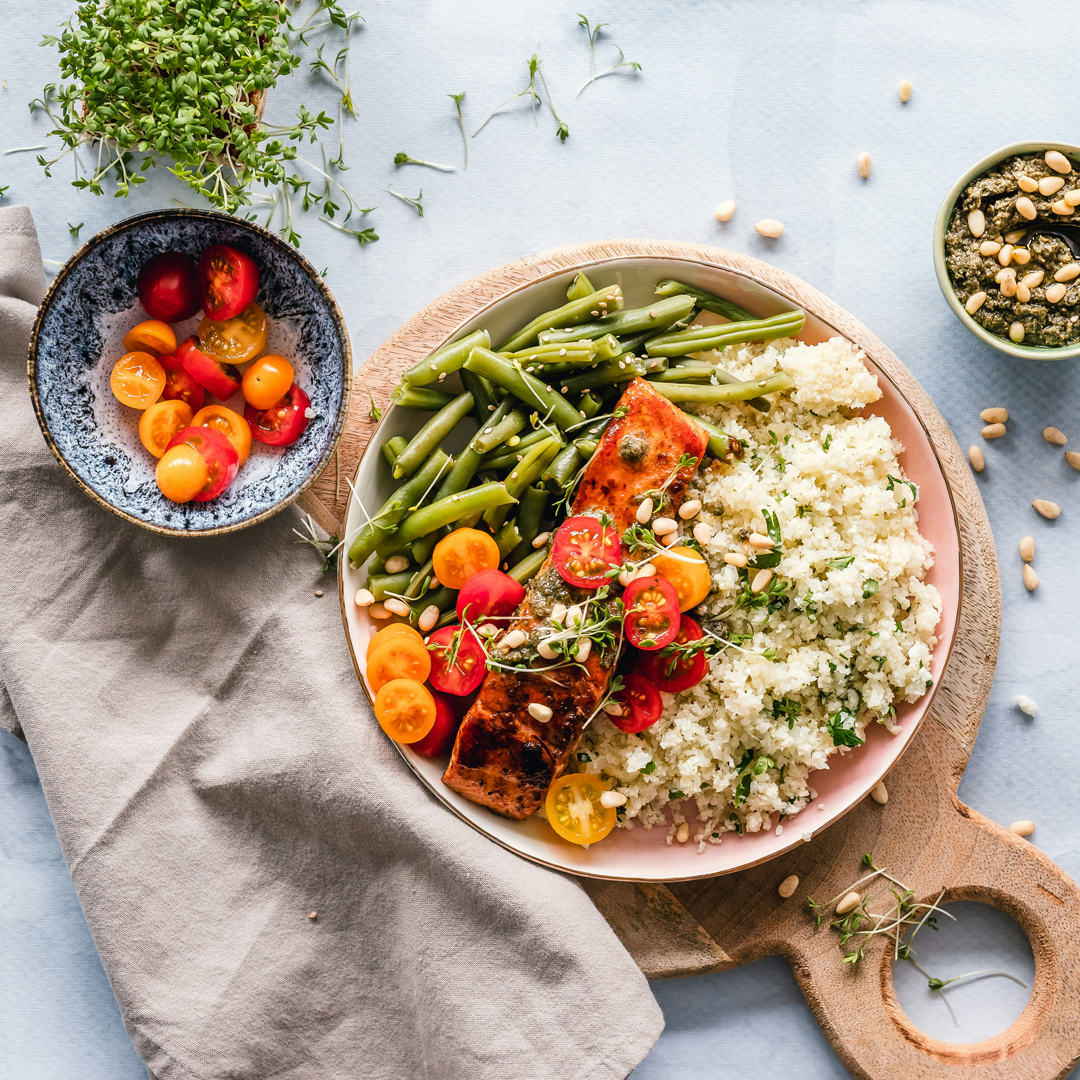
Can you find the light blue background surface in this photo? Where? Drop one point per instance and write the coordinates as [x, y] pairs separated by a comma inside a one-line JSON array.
[[767, 103]]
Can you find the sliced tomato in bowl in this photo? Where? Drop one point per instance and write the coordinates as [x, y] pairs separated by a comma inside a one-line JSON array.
[[228, 281], [640, 702], [222, 462], [652, 613], [160, 422], [231, 424], [458, 660], [439, 741], [585, 550], [168, 287], [222, 380], [179, 385], [236, 340], [677, 667], [284, 422]]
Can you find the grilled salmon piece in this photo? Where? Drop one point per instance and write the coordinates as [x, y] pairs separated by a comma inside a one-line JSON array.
[[503, 757]]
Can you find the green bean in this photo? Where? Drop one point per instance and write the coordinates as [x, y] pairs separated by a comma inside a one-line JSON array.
[[530, 514], [759, 403], [718, 395], [445, 360], [608, 347], [693, 371], [381, 585], [525, 472], [453, 508], [580, 287], [633, 343], [634, 321], [484, 400], [507, 457], [443, 598], [376, 566], [705, 300], [718, 439], [589, 404], [507, 538], [509, 375], [415, 397], [428, 438], [576, 311], [468, 461], [541, 357], [421, 549], [417, 581], [447, 618], [621, 369], [407, 497], [586, 446], [720, 335], [563, 468], [505, 427], [391, 449], [529, 567]]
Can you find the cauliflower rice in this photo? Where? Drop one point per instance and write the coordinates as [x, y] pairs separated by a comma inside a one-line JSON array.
[[849, 637]]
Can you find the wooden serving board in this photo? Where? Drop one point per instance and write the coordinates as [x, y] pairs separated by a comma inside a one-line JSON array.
[[924, 834]]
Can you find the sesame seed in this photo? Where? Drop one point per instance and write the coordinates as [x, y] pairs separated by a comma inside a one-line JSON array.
[[652, 314], [313, 915], [562, 352], [594, 312]]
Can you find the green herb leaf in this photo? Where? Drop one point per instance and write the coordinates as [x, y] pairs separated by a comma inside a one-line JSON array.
[[870, 586], [841, 726]]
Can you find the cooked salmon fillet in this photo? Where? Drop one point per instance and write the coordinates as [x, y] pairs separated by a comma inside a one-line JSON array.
[[503, 758]]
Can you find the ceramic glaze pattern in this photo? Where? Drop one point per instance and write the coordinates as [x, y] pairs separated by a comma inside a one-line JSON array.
[[76, 327]]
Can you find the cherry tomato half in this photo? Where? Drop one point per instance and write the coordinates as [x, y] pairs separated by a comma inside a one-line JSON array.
[[440, 739], [584, 551], [284, 422], [169, 287], [152, 336], [405, 710], [489, 593], [267, 380], [574, 809], [160, 422], [458, 661], [237, 340], [641, 704], [228, 281], [179, 385], [400, 657], [222, 462], [674, 670], [231, 424], [652, 612], [222, 380], [383, 636], [687, 570], [462, 554], [137, 380]]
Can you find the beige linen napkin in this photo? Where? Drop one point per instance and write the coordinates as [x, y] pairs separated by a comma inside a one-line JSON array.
[[215, 775]]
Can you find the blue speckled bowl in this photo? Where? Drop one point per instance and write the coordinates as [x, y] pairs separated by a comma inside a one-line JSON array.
[[76, 340]]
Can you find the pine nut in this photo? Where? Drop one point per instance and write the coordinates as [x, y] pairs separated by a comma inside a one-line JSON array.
[[725, 211], [1008, 286], [702, 533], [787, 887], [428, 618], [1027, 548], [626, 577], [905, 91], [880, 793], [613, 708], [849, 903], [989, 247], [664, 525], [435, 584], [644, 511], [863, 164], [378, 611], [583, 650], [758, 540], [761, 581], [1031, 579], [1073, 458], [974, 302], [670, 539], [512, 640], [1047, 508], [993, 431], [1053, 435], [1003, 273], [1021, 256], [1023, 294], [1072, 197], [364, 598], [545, 649], [573, 616], [1067, 272], [1026, 208], [1028, 184], [682, 833], [1022, 828], [558, 612], [396, 564], [647, 570], [1050, 185], [611, 799], [541, 540], [735, 558], [1032, 280], [397, 607], [1055, 292], [1062, 207], [1015, 236], [1005, 254], [771, 228], [1016, 331], [1057, 161], [539, 712], [690, 509], [977, 459], [976, 223], [994, 415]]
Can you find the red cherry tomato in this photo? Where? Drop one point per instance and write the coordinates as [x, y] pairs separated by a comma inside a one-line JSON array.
[[222, 461], [672, 670], [440, 739], [584, 551], [458, 661], [179, 385], [222, 380], [169, 287], [282, 424], [228, 281], [489, 593], [641, 704], [652, 612]]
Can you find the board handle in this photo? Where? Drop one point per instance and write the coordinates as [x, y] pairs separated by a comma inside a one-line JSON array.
[[972, 858]]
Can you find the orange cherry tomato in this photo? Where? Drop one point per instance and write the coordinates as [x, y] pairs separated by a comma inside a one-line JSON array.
[[152, 336], [137, 380], [574, 809], [236, 340], [462, 555], [687, 571], [159, 423], [231, 424], [182, 473], [406, 710], [267, 381], [401, 657], [387, 632]]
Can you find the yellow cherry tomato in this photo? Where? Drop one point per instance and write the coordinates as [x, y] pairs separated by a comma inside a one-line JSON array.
[[267, 381], [230, 423], [236, 340], [405, 710], [687, 571], [152, 336], [462, 555], [387, 632], [161, 422], [574, 809], [401, 657], [182, 473], [137, 380]]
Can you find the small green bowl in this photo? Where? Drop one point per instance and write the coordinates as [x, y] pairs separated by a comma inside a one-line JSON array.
[[1027, 352]]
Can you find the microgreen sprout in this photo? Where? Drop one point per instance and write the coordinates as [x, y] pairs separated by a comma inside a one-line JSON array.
[[458, 99], [74, 229], [404, 159], [563, 131], [416, 204], [534, 64], [364, 236], [660, 495], [622, 62], [328, 549], [23, 149]]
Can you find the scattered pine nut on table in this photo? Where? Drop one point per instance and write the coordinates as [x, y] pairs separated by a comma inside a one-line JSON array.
[[1046, 508], [905, 91], [725, 211], [848, 903], [993, 431], [977, 458], [863, 163], [1055, 436], [1021, 828], [1031, 579], [771, 228], [1027, 548], [787, 887], [880, 793], [1072, 457]]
